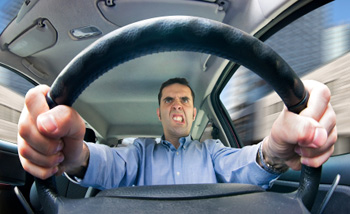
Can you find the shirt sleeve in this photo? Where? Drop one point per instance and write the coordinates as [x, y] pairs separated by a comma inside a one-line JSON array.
[[111, 167], [240, 166]]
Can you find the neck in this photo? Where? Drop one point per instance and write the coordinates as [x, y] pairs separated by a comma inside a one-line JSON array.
[[173, 140]]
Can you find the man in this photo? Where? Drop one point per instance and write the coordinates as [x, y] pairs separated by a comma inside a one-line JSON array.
[[51, 142]]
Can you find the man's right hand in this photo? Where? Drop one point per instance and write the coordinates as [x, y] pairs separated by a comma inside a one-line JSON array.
[[50, 141]]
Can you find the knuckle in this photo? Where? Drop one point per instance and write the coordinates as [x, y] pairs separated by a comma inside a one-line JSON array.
[[42, 174], [70, 118], [333, 118], [326, 91], [30, 96], [71, 114], [304, 133], [30, 93], [22, 151], [23, 130], [333, 138], [63, 115], [36, 171]]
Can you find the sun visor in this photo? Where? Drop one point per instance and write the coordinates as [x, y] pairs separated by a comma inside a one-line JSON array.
[[124, 12], [35, 39]]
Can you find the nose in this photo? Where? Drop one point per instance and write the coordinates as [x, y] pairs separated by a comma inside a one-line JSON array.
[[177, 105]]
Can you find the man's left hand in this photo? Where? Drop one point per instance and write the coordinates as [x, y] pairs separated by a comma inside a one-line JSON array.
[[307, 138]]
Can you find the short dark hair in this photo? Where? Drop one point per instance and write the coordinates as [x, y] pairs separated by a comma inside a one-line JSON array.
[[178, 80]]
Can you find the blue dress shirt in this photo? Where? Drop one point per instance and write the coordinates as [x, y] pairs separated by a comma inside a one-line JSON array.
[[147, 162]]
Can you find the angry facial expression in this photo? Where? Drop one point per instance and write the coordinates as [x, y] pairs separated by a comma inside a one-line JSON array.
[[176, 111]]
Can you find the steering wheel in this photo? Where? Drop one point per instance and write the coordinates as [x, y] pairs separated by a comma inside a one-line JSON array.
[[181, 33]]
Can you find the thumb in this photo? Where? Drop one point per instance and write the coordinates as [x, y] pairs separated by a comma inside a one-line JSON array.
[[61, 121], [291, 130], [47, 123]]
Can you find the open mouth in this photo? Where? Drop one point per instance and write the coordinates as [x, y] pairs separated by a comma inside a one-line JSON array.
[[178, 118]]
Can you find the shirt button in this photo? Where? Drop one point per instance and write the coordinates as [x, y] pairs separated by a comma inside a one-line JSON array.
[[177, 153], [177, 173]]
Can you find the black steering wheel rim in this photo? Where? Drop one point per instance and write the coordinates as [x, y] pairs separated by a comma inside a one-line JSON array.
[[178, 33]]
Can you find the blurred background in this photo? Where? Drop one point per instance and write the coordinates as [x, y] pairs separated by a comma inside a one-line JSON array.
[[316, 46]]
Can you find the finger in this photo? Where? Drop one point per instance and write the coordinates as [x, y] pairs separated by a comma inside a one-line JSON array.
[[318, 100], [28, 133], [39, 159], [61, 121], [314, 152], [292, 129], [316, 138], [70, 128], [328, 120], [35, 101], [38, 171], [317, 161]]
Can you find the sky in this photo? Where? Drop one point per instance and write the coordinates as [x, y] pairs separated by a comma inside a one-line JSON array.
[[341, 11]]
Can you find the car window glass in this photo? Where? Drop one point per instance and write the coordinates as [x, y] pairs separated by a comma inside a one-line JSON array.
[[316, 46], [8, 10], [13, 88]]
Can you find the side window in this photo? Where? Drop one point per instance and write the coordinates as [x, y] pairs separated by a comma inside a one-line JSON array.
[[317, 47], [13, 88]]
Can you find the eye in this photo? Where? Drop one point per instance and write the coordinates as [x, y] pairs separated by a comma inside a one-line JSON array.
[[185, 99], [168, 100]]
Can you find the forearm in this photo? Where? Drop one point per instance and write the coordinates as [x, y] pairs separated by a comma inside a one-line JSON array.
[[241, 167], [109, 167]]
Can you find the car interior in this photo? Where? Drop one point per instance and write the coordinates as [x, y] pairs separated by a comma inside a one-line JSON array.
[[112, 81]]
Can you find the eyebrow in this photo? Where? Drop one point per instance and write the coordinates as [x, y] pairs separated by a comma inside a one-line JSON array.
[[171, 98], [168, 98]]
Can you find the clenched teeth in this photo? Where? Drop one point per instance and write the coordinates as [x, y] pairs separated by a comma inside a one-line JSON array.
[[178, 118]]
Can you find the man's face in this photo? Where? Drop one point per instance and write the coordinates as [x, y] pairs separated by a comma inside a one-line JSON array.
[[176, 111]]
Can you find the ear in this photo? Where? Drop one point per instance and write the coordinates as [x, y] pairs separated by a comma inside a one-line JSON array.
[[194, 113], [158, 113]]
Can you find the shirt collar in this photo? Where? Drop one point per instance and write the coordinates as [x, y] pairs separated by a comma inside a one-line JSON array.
[[184, 141]]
